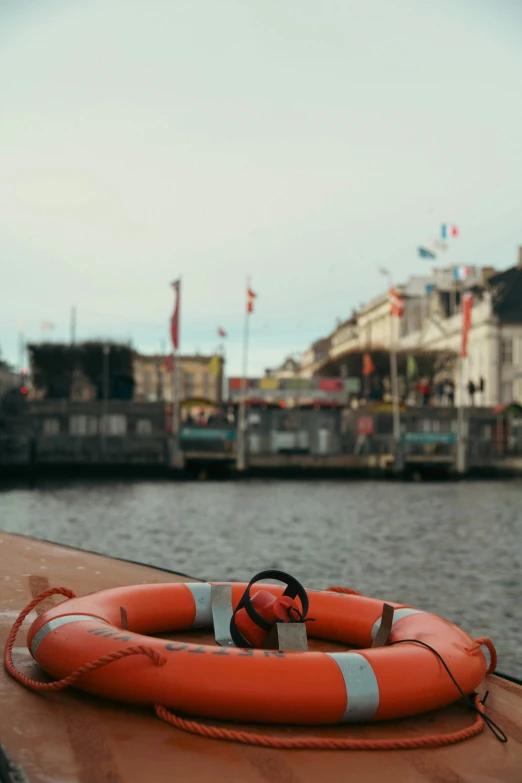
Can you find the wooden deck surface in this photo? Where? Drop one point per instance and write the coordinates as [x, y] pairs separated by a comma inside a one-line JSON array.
[[69, 737]]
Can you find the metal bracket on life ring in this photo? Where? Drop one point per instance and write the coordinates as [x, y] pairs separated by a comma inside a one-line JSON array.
[[294, 589]]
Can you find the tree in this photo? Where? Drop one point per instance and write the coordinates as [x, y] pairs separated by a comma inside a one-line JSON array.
[[54, 364], [4, 365]]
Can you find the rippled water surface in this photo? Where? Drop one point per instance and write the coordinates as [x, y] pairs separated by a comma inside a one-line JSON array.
[[451, 548]]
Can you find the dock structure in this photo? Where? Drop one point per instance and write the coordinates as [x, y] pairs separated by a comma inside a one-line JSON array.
[[46, 434]]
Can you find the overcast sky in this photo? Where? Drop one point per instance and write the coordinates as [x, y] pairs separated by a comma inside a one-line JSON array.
[[303, 143]]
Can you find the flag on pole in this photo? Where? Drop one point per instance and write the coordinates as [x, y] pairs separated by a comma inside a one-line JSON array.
[[174, 321], [463, 272], [411, 367], [425, 253], [168, 363], [467, 304], [448, 231], [368, 366], [250, 300], [46, 326], [221, 332], [396, 303]]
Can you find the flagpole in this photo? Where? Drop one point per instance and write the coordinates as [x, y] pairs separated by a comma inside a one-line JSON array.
[[395, 381], [21, 349], [241, 432], [175, 404], [221, 379], [393, 364], [176, 370], [461, 433]]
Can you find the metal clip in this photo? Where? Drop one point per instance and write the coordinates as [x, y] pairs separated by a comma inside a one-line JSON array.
[[221, 599], [383, 632], [287, 636]]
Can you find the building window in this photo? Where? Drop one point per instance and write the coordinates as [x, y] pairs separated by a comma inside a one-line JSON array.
[[506, 391], [506, 350], [78, 425], [114, 424], [143, 427], [83, 425], [189, 385], [148, 384], [51, 426]]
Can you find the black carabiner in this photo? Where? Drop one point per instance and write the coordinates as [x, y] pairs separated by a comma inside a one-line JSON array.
[[294, 589]]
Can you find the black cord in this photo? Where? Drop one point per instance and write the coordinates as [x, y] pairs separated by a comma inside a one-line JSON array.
[[490, 723]]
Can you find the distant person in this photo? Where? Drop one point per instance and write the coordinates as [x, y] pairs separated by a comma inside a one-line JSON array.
[[449, 387], [471, 391], [425, 392], [482, 389]]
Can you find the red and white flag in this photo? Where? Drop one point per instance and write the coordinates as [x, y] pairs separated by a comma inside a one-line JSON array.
[[467, 304], [221, 332], [396, 303], [174, 321], [250, 300]]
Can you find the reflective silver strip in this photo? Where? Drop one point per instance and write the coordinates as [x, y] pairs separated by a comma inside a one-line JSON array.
[[222, 614], [52, 625], [397, 615], [362, 688], [202, 598]]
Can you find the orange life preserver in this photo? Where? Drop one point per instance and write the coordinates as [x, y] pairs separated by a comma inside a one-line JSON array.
[[259, 685]]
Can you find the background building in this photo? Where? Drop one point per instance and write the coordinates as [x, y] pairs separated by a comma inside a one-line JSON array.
[[8, 379], [291, 368], [430, 331], [314, 357], [201, 379]]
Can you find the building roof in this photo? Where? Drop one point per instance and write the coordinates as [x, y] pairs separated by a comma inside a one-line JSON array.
[[506, 289], [288, 364], [323, 342], [351, 321]]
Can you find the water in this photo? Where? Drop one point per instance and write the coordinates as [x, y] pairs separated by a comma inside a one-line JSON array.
[[451, 548]]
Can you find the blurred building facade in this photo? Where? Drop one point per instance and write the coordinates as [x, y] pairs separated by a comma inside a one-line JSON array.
[[201, 378], [8, 380], [290, 368], [432, 325]]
